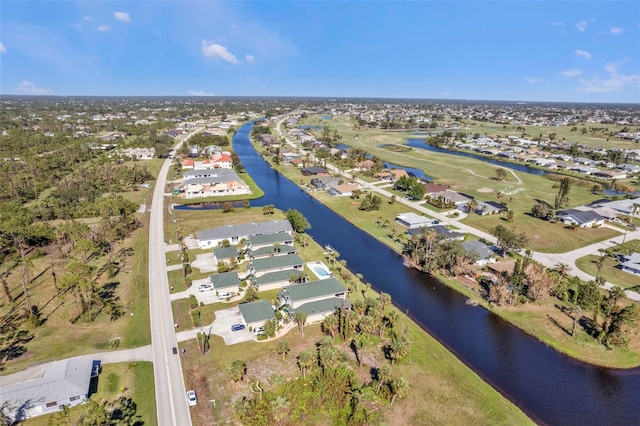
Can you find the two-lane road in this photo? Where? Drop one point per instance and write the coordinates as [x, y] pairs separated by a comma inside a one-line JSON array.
[[171, 402]]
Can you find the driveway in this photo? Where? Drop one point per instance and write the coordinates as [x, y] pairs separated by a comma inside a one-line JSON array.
[[205, 262], [225, 318], [206, 297]]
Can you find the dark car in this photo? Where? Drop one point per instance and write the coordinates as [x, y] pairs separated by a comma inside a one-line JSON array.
[[237, 327]]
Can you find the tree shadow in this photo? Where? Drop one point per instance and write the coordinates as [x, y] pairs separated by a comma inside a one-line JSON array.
[[557, 324]]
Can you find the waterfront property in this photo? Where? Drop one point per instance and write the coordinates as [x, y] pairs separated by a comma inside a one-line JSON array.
[[234, 233], [61, 383], [275, 280], [289, 262], [272, 250], [315, 298], [438, 229], [215, 182], [265, 240], [344, 190], [412, 220], [485, 254]]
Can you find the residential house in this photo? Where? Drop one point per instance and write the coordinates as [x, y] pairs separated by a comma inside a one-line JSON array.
[[431, 188], [225, 254], [255, 242], [451, 197], [315, 171], [584, 219], [631, 263], [289, 262], [315, 298], [439, 230], [272, 250], [225, 282], [234, 233], [188, 164], [365, 165], [221, 161], [273, 280], [611, 174], [490, 207], [326, 182], [255, 314], [412, 220], [213, 183], [344, 190], [51, 387], [485, 253]]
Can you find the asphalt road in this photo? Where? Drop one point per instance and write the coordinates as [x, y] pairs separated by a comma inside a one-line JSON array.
[[171, 402]]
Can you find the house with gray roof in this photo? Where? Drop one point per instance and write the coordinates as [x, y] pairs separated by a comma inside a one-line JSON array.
[[226, 282], [319, 309], [326, 182], [224, 254], [412, 220], [297, 295], [273, 280], [273, 250], [267, 240], [584, 219], [289, 262], [60, 383], [254, 314], [631, 263], [485, 254], [234, 233], [489, 207], [213, 182]]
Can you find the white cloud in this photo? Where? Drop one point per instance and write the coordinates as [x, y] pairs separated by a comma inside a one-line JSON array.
[[122, 17], [215, 51], [28, 88], [610, 83], [533, 80], [249, 58], [2, 48], [571, 73], [582, 26], [583, 53], [617, 30], [76, 26], [103, 28], [87, 18], [199, 93], [558, 24]]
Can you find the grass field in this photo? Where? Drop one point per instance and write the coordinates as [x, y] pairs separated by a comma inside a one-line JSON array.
[[610, 271], [133, 380]]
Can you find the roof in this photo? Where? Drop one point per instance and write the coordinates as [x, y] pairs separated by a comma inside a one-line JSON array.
[[344, 188], [284, 248], [260, 310], [60, 381], [245, 230], [225, 252], [413, 219], [507, 266], [581, 216], [312, 289], [213, 175], [224, 280], [314, 170], [275, 277], [483, 250], [633, 258], [280, 237], [438, 229], [276, 262], [323, 306]]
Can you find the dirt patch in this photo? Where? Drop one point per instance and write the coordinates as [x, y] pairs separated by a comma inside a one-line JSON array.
[[485, 190]]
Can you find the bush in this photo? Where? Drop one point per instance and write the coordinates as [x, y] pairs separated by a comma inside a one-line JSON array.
[[193, 302]]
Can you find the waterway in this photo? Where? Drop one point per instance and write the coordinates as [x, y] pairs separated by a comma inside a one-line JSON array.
[[421, 144], [548, 386]]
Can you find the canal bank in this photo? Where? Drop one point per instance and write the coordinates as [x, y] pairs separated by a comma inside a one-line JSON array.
[[554, 388]]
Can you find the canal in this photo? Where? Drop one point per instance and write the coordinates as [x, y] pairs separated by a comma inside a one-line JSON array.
[[548, 386]]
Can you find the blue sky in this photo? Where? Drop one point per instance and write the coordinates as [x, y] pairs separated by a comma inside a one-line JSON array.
[[581, 51]]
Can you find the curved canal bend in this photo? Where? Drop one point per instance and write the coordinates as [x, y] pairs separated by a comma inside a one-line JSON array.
[[548, 386]]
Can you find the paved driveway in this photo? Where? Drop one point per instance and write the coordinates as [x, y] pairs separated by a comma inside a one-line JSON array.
[[225, 318]]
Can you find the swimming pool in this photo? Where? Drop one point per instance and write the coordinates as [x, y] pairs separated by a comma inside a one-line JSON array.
[[320, 270]]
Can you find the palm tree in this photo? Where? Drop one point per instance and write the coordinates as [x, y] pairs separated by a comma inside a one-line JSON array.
[[398, 387], [237, 369], [562, 269], [283, 348], [306, 360], [383, 375], [300, 318]]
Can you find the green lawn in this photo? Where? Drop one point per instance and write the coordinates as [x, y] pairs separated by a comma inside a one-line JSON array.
[[610, 271]]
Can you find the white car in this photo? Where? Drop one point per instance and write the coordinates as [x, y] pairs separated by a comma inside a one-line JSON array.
[[205, 287], [258, 330], [192, 399], [224, 296]]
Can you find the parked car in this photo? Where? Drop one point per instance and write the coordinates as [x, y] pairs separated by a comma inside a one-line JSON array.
[[258, 330], [238, 327], [224, 296], [205, 287], [192, 399]]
